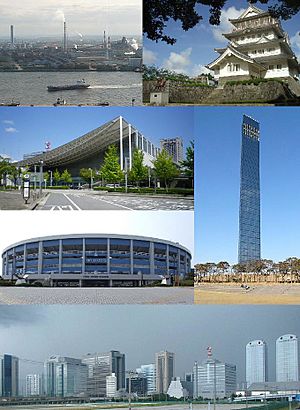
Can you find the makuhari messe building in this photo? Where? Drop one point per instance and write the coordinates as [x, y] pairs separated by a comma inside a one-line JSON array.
[[88, 150], [95, 260]]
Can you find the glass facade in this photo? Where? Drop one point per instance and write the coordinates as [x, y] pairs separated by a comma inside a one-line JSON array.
[[134, 259], [249, 219]]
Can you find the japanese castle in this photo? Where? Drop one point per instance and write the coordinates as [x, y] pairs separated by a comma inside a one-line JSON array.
[[258, 48]]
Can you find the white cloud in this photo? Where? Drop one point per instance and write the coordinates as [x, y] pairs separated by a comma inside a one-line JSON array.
[[225, 25], [179, 62], [149, 57], [295, 42], [199, 69], [10, 122], [10, 129]]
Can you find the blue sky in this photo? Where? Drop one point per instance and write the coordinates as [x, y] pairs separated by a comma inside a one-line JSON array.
[[218, 138], [26, 129], [195, 48]]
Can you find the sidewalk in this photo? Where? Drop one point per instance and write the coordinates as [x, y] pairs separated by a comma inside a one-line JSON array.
[[13, 200]]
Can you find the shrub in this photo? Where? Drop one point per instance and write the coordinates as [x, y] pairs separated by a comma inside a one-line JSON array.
[[172, 191], [254, 81], [59, 187]]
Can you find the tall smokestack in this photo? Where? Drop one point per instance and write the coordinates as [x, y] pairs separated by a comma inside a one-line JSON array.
[[65, 37], [104, 39], [12, 40]]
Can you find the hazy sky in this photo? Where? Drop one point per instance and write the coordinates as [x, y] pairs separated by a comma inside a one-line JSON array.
[[27, 129], [35, 332], [177, 226], [45, 17]]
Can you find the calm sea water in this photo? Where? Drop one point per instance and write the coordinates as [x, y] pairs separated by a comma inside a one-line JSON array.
[[117, 88]]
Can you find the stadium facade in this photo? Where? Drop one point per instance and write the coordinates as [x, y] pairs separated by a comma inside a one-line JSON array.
[[88, 150], [95, 260]]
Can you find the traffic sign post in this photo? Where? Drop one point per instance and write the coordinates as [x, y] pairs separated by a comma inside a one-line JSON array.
[[26, 188]]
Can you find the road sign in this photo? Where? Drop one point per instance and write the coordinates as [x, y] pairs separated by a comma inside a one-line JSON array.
[[26, 188]]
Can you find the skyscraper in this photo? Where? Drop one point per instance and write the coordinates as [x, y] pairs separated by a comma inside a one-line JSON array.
[[249, 218], [12, 39], [9, 375], [33, 385], [164, 363], [149, 371], [65, 376], [101, 365], [287, 367], [174, 147], [255, 362]]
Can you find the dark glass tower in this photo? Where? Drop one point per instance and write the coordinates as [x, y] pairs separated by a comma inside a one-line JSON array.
[[249, 223]]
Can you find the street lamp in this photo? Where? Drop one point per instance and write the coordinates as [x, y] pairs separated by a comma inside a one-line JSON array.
[[91, 176], [51, 177], [41, 176]]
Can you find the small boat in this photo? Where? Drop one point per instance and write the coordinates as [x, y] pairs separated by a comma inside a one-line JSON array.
[[10, 104], [80, 85], [60, 102], [103, 104]]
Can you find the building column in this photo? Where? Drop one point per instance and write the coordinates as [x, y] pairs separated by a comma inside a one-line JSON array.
[[121, 143], [60, 257], [83, 257], [152, 271], [168, 256], [40, 258], [108, 255], [25, 258], [129, 141], [131, 256], [142, 142]]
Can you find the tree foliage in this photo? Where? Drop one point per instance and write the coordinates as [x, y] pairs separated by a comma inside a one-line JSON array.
[[87, 173], [56, 176], [111, 169], [187, 165], [164, 168], [138, 172], [66, 177], [7, 169], [156, 14]]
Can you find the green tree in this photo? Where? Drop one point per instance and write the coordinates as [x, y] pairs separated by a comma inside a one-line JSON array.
[[7, 169], [111, 169], [56, 177], [156, 13], [66, 177], [187, 165], [164, 168], [138, 172], [87, 173]]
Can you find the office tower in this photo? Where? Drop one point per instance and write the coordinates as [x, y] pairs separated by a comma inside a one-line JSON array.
[[287, 367], [33, 385], [249, 218], [255, 362], [164, 363], [213, 378], [149, 371], [65, 377], [101, 365], [111, 385], [138, 384], [12, 39], [9, 376], [174, 147]]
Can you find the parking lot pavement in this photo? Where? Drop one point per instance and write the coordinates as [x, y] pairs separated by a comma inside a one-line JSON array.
[[48, 296]]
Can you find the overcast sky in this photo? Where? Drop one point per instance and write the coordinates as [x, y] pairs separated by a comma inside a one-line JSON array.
[[88, 17], [35, 332], [177, 226]]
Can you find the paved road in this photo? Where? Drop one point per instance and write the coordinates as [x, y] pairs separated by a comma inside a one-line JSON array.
[[48, 296], [66, 201]]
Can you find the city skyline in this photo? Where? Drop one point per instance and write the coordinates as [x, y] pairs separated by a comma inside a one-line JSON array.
[[46, 17], [218, 169], [19, 135], [36, 324]]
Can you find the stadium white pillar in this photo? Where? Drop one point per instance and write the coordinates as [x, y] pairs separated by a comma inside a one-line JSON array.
[[130, 155], [121, 143]]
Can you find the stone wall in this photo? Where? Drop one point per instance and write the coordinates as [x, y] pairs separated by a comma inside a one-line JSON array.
[[178, 92], [271, 92]]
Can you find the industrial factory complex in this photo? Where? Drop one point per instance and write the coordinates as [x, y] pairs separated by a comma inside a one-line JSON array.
[[95, 260], [88, 150], [106, 53]]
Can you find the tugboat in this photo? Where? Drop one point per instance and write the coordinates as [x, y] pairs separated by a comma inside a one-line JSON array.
[[80, 85]]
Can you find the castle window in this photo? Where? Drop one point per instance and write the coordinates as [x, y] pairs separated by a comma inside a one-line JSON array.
[[271, 67], [279, 66]]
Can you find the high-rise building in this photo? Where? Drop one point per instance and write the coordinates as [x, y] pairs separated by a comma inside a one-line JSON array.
[[287, 367], [12, 38], [111, 386], [65, 376], [164, 363], [256, 362], [9, 376], [33, 385], [149, 371], [249, 218], [138, 384], [101, 365], [212, 378], [174, 147]]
